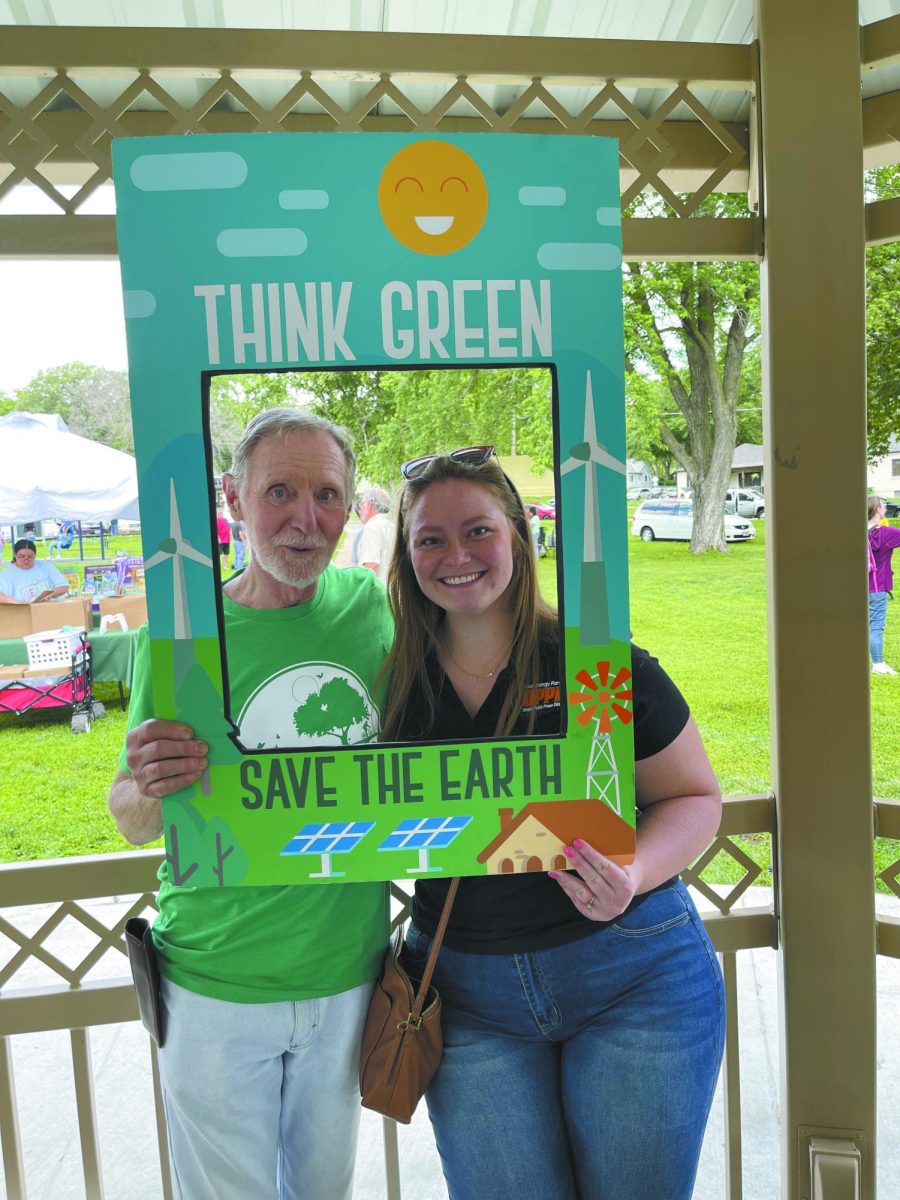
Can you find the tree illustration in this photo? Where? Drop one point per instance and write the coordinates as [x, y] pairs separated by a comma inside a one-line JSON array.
[[335, 708], [180, 866], [228, 861]]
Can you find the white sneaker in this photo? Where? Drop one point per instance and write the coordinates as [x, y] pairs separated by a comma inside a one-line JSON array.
[[882, 668]]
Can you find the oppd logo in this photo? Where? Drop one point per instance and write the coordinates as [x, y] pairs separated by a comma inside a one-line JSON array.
[[313, 704]]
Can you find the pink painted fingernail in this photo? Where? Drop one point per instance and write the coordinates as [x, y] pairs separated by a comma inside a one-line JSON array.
[[553, 875], [568, 852], [578, 842]]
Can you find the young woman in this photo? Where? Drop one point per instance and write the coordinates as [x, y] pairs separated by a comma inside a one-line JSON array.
[[883, 541], [583, 1010], [28, 580]]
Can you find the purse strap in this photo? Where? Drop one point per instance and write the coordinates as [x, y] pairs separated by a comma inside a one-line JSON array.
[[422, 993], [419, 1002]]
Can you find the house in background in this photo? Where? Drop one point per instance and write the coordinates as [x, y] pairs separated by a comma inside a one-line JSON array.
[[638, 475], [746, 469], [883, 477]]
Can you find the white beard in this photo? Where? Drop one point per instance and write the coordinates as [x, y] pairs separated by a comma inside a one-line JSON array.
[[292, 572]]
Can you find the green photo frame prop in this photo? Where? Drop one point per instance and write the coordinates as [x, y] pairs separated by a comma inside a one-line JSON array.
[[264, 252]]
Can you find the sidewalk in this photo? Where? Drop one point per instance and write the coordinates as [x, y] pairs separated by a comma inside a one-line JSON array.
[[123, 1095]]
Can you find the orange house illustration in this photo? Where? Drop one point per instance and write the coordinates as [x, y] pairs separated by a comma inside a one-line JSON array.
[[533, 840]]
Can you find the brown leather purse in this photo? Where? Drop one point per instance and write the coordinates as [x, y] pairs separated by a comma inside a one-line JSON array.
[[402, 1043]]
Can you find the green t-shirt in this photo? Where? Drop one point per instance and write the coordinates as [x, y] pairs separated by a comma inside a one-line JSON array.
[[262, 944]]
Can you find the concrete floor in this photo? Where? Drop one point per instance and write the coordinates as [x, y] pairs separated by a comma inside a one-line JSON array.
[[121, 1060]]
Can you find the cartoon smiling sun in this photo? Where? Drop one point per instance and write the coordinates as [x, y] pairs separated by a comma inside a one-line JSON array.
[[432, 197]]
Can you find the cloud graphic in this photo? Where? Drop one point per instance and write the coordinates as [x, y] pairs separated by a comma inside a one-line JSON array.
[[139, 304], [579, 256], [312, 198], [201, 172], [609, 216], [261, 243], [542, 197]]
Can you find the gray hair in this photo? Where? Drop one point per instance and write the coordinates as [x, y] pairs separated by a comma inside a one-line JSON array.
[[279, 422], [371, 493]]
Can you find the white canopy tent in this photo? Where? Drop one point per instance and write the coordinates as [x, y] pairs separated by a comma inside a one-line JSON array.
[[45, 471]]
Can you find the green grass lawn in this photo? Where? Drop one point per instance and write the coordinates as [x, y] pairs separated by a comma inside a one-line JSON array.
[[704, 617]]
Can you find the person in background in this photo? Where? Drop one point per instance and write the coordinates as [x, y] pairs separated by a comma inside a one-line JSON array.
[[535, 524], [28, 580], [883, 541], [223, 533], [64, 538], [237, 541], [265, 990], [376, 542], [583, 1010]]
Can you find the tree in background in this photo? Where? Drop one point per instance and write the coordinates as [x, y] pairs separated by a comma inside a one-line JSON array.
[[401, 414], [100, 408], [647, 404], [690, 326], [396, 415], [93, 401], [47, 392], [883, 325]]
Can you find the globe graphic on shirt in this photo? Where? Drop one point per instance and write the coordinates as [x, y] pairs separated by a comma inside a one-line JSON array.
[[313, 704]]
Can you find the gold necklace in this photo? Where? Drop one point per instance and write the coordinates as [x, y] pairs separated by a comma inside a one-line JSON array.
[[504, 658]]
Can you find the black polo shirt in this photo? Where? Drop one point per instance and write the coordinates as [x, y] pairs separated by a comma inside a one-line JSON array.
[[516, 914]]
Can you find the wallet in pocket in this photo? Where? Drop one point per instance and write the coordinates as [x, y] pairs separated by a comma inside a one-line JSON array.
[[145, 973]]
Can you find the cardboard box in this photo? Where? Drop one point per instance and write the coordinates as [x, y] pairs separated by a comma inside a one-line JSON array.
[[14, 670], [132, 608], [17, 620]]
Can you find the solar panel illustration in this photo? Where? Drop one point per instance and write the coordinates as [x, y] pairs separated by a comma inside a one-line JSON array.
[[424, 834], [332, 837]]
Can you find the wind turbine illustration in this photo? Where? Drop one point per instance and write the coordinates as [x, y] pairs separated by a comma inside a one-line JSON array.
[[587, 455], [177, 548]]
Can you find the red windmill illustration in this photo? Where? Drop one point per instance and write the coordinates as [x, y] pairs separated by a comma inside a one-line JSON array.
[[603, 701]]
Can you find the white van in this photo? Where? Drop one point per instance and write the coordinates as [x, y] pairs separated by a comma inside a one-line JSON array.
[[674, 519]]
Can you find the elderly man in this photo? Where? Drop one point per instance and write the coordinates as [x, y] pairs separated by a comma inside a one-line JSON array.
[[377, 541], [265, 989]]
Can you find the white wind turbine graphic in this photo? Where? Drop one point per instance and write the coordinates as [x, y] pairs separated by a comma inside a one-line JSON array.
[[584, 456], [177, 547]]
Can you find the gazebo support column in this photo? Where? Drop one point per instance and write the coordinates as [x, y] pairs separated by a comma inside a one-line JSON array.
[[815, 414]]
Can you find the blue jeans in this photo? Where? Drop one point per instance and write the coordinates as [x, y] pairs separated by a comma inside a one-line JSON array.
[[238, 555], [585, 1072], [878, 602], [262, 1100]]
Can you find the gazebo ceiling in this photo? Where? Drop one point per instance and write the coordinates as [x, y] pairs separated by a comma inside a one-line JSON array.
[[672, 79], [724, 22]]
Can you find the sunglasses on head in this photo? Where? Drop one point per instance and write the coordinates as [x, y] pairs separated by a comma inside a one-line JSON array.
[[469, 456]]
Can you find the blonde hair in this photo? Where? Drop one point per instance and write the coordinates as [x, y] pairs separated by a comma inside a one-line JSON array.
[[419, 621], [873, 505]]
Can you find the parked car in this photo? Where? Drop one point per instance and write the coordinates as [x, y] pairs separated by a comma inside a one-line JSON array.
[[746, 502], [547, 512], [674, 519], [892, 508], [643, 493]]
